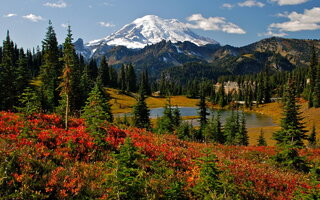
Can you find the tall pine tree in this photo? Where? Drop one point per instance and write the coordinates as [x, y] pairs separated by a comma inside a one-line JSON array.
[[8, 75], [65, 85], [130, 79], [165, 123], [261, 139], [103, 72], [203, 112], [50, 70], [242, 137], [141, 111], [312, 72], [316, 92], [292, 131]]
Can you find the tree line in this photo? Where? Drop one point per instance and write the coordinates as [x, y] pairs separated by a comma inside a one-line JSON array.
[[55, 74]]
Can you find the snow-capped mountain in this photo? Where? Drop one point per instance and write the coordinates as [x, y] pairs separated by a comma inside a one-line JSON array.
[[148, 30]]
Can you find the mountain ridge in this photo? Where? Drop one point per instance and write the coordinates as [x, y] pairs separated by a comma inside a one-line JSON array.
[[275, 52]]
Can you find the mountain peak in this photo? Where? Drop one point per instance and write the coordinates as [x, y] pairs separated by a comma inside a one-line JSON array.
[[151, 29]]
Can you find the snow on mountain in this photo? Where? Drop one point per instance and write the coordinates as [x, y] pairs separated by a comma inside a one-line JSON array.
[[148, 30]]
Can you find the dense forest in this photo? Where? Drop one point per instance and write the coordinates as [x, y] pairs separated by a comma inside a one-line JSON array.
[[60, 140]]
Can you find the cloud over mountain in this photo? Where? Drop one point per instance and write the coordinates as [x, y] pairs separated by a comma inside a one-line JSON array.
[[308, 20], [214, 24]]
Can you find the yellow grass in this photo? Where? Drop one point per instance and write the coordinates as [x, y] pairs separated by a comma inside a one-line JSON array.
[[268, 131], [122, 103], [248, 55], [274, 110], [311, 117]]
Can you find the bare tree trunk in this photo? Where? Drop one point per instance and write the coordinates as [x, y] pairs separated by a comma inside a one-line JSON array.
[[67, 111]]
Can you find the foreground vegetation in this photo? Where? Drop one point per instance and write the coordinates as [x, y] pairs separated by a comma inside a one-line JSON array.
[[41, 160]]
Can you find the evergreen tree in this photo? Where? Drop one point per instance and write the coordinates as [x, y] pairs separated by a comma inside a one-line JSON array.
[[260, 87], [261, 139], [77, 92], [208, 185], [312, 76], [130, 79], [65, 85], [292, 131], [203, 109], [221, 96], [231, 129], [113, 77], [217, 130], [266, 89], [106, 98], [242, 137], [50, 70], [7, 75], [29, 102], [22, 72], [93, 70], [316, 92], [185, 131], [96, 110], [103, 72], [176, 117], [213, 95], [165, 123], [213, 131], [141, 111], [86, 85], [312, 138], [122, 78], [310, 98], [1, 51], [162, 85], [144, 81], [128, 181]]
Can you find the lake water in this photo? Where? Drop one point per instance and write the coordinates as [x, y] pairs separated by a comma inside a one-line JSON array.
[[252, 119]]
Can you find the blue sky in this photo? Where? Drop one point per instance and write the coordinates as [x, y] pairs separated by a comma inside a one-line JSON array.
[[234, 22]]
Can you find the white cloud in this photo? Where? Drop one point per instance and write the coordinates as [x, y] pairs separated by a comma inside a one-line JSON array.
[[106, 24], [270, 33], [309, 20], [10, 15], [59, 4], [213, 24], [285, 14], [289, 2], [64, 25], [227, 5], [251, 3], [33, 18]]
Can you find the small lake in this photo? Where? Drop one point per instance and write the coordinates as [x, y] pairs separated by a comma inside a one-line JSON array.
[[252, 119]]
